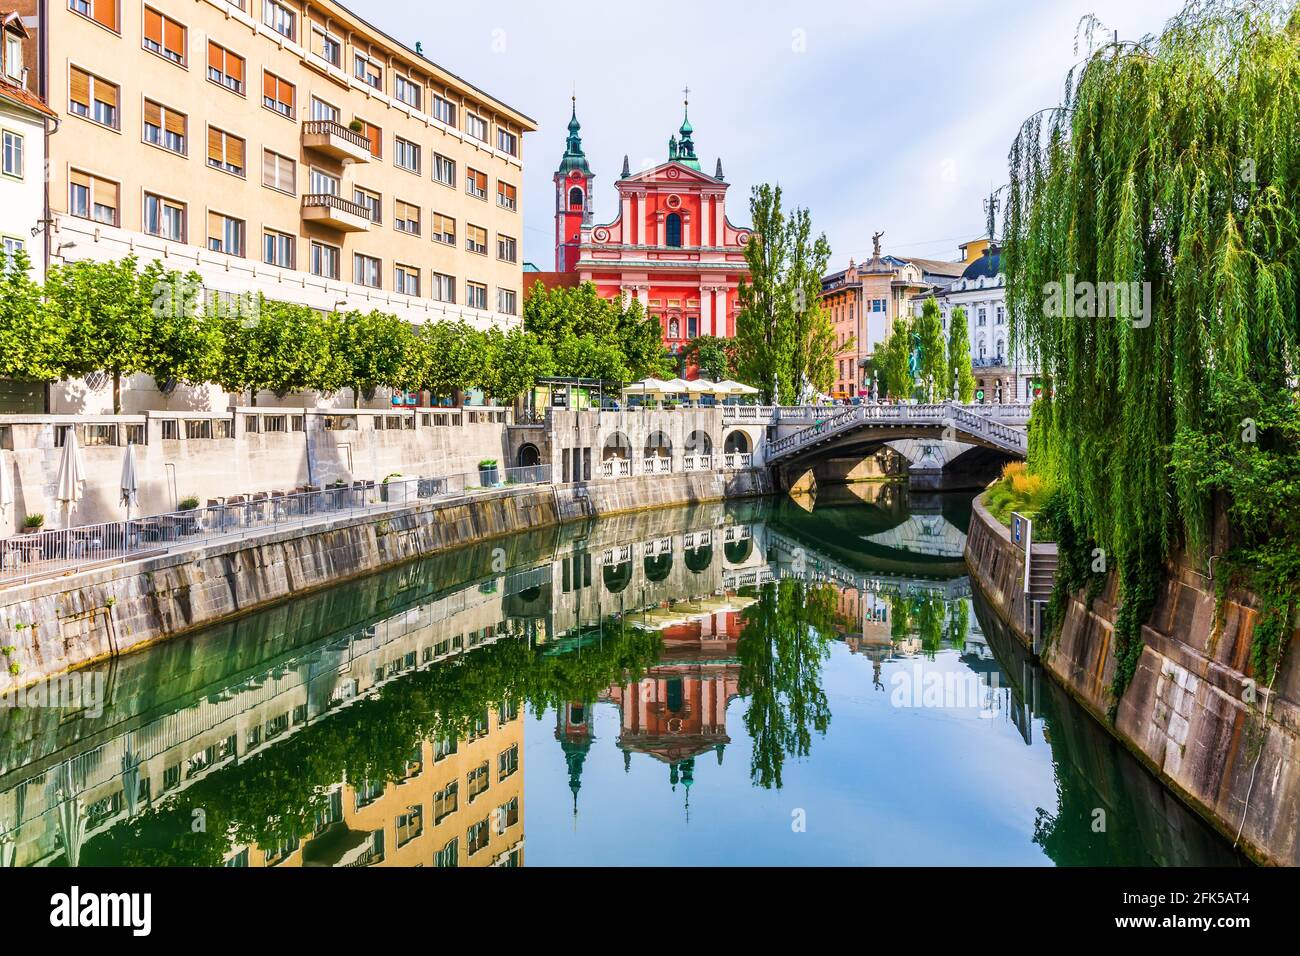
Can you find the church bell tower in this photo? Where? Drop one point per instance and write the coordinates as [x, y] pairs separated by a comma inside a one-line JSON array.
[[573, 206]]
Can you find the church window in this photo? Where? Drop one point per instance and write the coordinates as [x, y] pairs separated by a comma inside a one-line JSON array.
[[673, 230], [575, 198]]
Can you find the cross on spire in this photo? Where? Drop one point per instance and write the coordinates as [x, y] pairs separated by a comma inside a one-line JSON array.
[[686, 93]]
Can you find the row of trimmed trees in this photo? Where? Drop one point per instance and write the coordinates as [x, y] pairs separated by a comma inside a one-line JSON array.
[[122, 319], [942, 363]]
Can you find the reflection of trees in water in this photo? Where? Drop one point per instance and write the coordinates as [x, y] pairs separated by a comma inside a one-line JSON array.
[[933, 619], [783, 645]]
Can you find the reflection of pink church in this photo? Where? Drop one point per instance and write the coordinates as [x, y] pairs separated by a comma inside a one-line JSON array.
[[677, 711]]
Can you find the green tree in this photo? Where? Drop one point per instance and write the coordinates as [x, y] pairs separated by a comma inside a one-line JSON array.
[[516, 359], [894, 363], [584, 330], [784, 337], [183, 346], [933, 371], [32, 342], [373, 349], [447, 357], [959, 362], [711, 355], [107, 310]]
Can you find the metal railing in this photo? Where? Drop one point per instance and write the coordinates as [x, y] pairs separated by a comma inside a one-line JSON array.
[[331, 128], [960, 417], [26, 556], [331, 201]]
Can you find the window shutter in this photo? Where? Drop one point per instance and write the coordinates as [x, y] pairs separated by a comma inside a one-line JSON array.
[[235, 66], [175, 122], [81, 87], [215, 152], [152, 114], [106, 92], [106, 195], [270, 169], [153, 26], [78, 178], [268, 86], [216, 57], [174, 38], [216, 227], [105, 12], [235, 151]]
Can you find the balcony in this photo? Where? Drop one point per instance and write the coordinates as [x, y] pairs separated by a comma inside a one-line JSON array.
[[336, 140], [335, 212]]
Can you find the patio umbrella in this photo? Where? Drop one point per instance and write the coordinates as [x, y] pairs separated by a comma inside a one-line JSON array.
[[129, 485], [6, 486], [72, 474], [729, 387]]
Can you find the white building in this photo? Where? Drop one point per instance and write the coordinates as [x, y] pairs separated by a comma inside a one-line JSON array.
[[23, 118], [1000, 376]]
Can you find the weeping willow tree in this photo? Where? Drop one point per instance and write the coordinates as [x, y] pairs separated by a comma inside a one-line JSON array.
[[1152, 254]]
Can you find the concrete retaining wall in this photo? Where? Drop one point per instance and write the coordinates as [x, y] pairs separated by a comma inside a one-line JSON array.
[[1187, 712], [63, 623]]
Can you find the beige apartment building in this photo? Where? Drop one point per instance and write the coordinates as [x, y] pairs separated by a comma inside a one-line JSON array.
[[281, 147]]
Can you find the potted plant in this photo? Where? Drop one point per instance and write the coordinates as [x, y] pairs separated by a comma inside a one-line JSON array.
[[189, 522], [487, 472], [398, 490], [357, 126], [33, 523]]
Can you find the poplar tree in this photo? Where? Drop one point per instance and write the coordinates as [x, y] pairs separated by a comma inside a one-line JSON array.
[[959, 363], [933, 369]]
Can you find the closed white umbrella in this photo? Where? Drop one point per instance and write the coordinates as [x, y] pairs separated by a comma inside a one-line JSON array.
[[129, 486], [72, 474], [729, 387], [6, 486]]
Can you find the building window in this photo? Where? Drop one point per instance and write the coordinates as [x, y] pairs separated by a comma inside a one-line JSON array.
[[444, 170], [507, 815], [673, 230], [322, 183], [278, 249], [225, 234], [406, 217], [444, 288], [407, 92], [324, 112], [410, 824], [507, 301], [444, 229], [476, 183], [164, 127], [12, 246], [1001, 316], [367, 71], [406, 279], [477, 127], [575, 198], [225, 151], [279, 172], [365, 270], [92, 198], [692, 326], [103, 12], [373, 202], [225, 68], [448, 855], [443, 110], [164, 36], [476, 239], [878, 305], [328, 48], [13, 154], [507, 196], [375, 136], [93, 98], [278, 94], [982, 316], [476, 295], [324, 260], [164, 218], [507, 142], [476, 837], [406, 155], [507, 249], [14, 58], [280, 19], [477, 780]]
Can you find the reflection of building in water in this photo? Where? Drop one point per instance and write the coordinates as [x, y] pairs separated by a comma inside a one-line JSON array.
[[461, 803], [677, 712], [931, 535]]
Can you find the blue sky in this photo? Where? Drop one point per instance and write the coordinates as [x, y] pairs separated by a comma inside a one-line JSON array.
[[894, 116]]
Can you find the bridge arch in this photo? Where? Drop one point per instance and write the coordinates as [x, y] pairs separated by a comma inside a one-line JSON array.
[[658, 443], [698, 442], [528, 455], [658, 566], [617, 445], [736, 442], [617, 576], [738, 552], [698, 560]]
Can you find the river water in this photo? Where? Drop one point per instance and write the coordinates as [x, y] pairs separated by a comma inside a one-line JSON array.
[[745, 683]]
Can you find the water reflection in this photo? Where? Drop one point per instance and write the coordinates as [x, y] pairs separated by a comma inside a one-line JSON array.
[[395, 720]]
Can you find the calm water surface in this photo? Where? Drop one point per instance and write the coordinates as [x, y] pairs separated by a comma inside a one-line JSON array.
[[779, 683]]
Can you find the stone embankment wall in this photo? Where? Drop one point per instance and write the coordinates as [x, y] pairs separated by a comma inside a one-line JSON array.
[[1192, 713], [62, 623]]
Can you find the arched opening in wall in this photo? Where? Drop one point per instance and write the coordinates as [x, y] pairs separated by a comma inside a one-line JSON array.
[[736, 443], [699, 559], [658, 566], [673, 230], [675, 698], [617, 576], [575, 198], [738, 552], [658, 445], [617, 446], [699, 443], [528, 456]]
